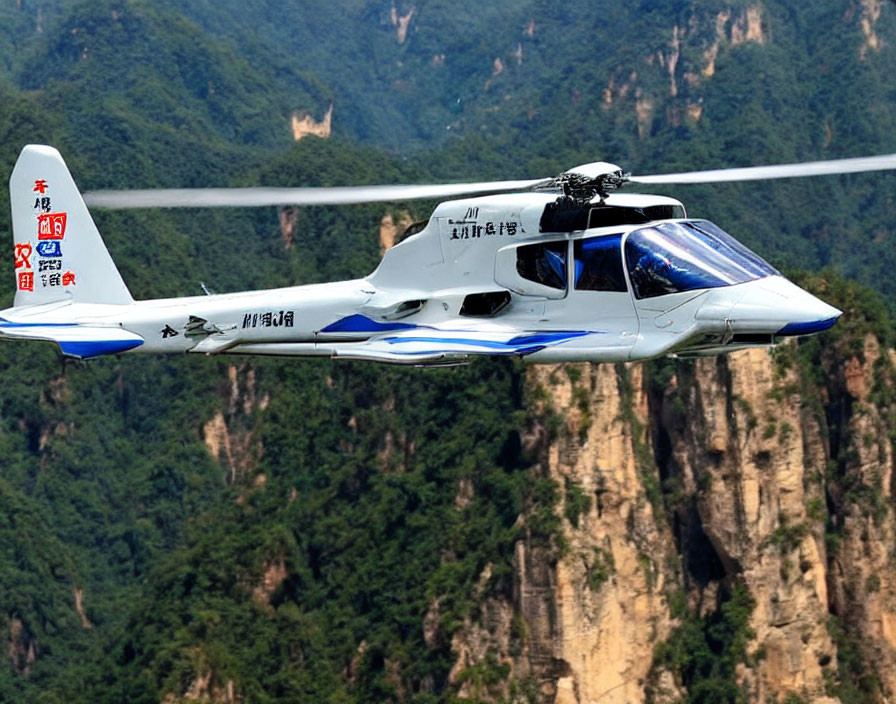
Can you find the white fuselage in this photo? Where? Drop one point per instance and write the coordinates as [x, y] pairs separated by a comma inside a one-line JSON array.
[[411, 309]]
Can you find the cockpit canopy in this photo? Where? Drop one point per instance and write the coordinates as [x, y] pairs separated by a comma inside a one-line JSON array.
[[680, 256], [665, 258]]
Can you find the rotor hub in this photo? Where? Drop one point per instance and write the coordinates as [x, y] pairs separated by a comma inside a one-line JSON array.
[[585, 182]]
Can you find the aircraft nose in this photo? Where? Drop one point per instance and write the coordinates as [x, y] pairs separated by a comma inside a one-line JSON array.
[[782, 308], [810, 315]]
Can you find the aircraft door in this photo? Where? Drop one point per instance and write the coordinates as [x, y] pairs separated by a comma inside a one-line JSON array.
[[599, 291], [670, 270]]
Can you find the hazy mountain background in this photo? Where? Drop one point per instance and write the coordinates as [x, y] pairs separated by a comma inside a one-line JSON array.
[[204, 529]]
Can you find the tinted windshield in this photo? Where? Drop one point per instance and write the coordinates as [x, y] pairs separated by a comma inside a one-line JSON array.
[[683, 256]]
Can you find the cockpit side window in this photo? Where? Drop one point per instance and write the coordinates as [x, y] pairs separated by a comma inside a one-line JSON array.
[[543, 263], [598, 264]]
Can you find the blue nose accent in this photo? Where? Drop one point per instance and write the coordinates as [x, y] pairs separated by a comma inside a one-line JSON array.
[[807, 328]]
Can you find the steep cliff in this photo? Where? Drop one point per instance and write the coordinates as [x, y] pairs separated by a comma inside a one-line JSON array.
[[727, 529], [716, 530]]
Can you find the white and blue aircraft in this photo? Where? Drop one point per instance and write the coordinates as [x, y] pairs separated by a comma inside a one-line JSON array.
[[561, 271]]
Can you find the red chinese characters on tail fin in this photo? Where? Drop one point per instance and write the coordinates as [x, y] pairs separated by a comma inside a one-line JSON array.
[[23, 255], [51, 226], [25, 281]]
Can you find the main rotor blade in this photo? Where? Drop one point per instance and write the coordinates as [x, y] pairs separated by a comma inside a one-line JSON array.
[[756, 173], [248, 197]]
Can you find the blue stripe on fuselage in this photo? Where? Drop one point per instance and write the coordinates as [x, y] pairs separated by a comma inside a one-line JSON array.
[[521, 344], [361, 323], [4, 323]]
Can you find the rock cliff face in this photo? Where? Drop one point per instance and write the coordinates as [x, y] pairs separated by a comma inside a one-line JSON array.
[[682, 482], [304, 125], [687, 62], [229, 434]]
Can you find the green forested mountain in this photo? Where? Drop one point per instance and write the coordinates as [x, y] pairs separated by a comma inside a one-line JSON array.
[[512, 89], [178, 527]]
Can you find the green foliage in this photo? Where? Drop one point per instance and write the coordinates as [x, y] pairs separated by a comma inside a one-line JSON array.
[[483, 676], [705, 653], [815, 509], [794, 698], [820, 362], [856, 682], [574, 372], [368, 543], [576, 502], [787, 536], [601, 568]]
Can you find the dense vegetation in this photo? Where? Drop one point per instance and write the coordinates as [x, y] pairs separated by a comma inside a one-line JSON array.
[[349, 478]]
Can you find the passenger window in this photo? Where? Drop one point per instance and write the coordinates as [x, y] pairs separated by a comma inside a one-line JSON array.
[[543, 263], [598, 262]]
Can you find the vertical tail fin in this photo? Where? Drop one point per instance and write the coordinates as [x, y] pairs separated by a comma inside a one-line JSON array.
[[59, 254]]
